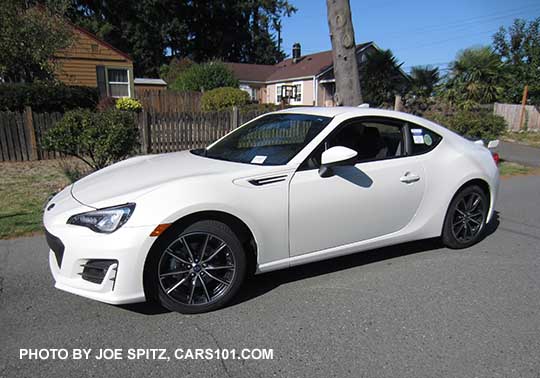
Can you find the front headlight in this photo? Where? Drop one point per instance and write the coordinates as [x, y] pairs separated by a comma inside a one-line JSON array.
[[105, 220]]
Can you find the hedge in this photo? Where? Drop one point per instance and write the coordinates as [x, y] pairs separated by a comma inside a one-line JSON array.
[[223, 98], [46, 97]]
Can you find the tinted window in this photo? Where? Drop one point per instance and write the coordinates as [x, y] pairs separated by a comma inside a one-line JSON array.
[[270, 140], [371, 139], [422, 139]]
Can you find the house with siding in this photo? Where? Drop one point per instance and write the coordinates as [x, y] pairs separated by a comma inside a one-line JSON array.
[[90, 61], [312, 76]]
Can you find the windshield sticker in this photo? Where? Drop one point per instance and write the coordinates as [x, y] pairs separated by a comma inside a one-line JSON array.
[[259, 159], [418, 139], [427, 140], [416, 131]]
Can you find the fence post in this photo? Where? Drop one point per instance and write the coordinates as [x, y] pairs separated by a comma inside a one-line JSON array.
[[235, 118], [145, 128], [30, 130], [398, 105]]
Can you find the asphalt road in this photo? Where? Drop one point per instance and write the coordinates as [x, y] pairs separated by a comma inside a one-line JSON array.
[[519, 153], [414, 310]]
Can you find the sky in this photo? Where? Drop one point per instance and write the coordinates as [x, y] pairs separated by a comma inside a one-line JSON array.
[[419, 32]]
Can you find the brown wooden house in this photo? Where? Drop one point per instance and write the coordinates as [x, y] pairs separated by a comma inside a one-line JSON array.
[[92, 62]]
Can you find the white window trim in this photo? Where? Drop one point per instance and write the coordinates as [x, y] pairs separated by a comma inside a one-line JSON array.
[[128, 82], [292, 102]]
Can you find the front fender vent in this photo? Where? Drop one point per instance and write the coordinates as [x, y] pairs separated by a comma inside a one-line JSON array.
[[267, 180]]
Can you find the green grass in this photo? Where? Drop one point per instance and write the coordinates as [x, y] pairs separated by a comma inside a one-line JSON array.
[[507, 168], [24, 187], [530, 138]]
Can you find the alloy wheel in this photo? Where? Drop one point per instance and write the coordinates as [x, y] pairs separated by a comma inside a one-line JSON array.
[[469, 217], [196, 269]]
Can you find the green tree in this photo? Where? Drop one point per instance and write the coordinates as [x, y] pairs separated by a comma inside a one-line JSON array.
[[154, 32], [29, 38], [424, 79], [204, 77], [475, 77], [519, 48], [169, 72], [381, 78]]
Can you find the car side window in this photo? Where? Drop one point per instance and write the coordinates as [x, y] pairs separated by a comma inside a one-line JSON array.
[[372, 139], [422, 140]]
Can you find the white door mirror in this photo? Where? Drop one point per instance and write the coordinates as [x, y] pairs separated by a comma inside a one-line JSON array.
[[336, 155]]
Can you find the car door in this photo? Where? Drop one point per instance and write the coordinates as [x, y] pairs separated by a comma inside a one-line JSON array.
[[376, 195]]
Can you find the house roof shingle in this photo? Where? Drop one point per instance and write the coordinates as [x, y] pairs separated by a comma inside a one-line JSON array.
[[308, 65]]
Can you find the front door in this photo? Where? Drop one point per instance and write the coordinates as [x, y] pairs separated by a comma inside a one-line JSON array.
[[377, 195]]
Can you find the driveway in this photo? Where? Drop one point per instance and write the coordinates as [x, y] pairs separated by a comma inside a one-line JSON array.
[[413, 310]]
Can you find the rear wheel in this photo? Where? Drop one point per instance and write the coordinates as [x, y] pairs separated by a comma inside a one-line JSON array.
[[466, 218], [200, 268]]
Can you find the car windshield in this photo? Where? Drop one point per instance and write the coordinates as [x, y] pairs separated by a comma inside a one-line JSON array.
[[273, 139]]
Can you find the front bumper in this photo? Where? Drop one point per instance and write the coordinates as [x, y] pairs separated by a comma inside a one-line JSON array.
[[74, 247]]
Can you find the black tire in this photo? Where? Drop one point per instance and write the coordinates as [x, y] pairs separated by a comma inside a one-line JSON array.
[[204, 280], [465, 219]]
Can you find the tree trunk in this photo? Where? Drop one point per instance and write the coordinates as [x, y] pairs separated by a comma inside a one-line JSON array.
[[344, 53]]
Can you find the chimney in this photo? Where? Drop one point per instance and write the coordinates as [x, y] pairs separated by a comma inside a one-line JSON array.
[[296, 52]]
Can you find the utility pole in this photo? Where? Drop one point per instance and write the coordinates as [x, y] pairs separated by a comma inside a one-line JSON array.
[[344, 53], [523, 106]]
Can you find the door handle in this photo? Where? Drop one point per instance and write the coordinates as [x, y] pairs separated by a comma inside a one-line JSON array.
[[409, 178]]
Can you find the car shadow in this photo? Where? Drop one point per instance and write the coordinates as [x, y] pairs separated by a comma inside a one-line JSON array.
[[258, 285]]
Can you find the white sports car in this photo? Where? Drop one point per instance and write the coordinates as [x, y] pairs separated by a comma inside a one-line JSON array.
[[287, 188]]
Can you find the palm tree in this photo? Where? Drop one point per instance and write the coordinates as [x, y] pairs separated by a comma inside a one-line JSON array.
[[381, 77], [423, 80], [475, 77]]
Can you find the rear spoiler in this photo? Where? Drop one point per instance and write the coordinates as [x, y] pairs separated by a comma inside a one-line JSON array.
[[492, 144]]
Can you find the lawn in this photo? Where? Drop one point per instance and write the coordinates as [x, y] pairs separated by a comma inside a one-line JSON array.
[[24, 187], [530, 138]]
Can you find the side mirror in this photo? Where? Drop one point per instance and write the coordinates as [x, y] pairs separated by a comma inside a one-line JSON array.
[[337, 155]]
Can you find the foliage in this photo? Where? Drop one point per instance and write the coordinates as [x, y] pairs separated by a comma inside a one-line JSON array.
[[267, 107], [29, 38], [98, 139], [169, 72], [223, 98], [72, 170], [473, 124], [424, 79], [475, 78], [238, 31], [128, 104], [106, 103], [204, 77], [381, 78], [519, 48], [46, 97]]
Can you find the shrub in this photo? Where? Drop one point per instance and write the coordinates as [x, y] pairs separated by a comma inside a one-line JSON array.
[[204, 77], [259, 108], [106, 103], [128, 104], [223, 98], [98, 139], [46, 97], [473, 124]]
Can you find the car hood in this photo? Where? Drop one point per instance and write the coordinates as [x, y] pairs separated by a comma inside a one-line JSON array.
[[138, 175]]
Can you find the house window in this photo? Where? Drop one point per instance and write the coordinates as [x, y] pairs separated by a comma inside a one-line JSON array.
[[118, 82], [297, 99]]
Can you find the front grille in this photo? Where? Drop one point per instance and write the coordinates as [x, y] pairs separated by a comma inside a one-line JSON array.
[[95, 270], [56, 246]]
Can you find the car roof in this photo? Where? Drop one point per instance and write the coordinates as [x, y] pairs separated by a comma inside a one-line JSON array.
[[353, 111]]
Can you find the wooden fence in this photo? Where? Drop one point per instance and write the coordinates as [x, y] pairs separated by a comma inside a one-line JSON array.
[[21, 134], [169, 101], [512, 114]]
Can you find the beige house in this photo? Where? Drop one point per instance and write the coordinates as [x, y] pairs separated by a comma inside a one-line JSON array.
[[312, 77]]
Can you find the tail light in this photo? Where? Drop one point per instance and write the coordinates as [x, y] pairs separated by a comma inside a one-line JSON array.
[[496, 157]]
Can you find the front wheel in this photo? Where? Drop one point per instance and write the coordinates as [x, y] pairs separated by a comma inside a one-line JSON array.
[[200, 268], [466, 218]]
